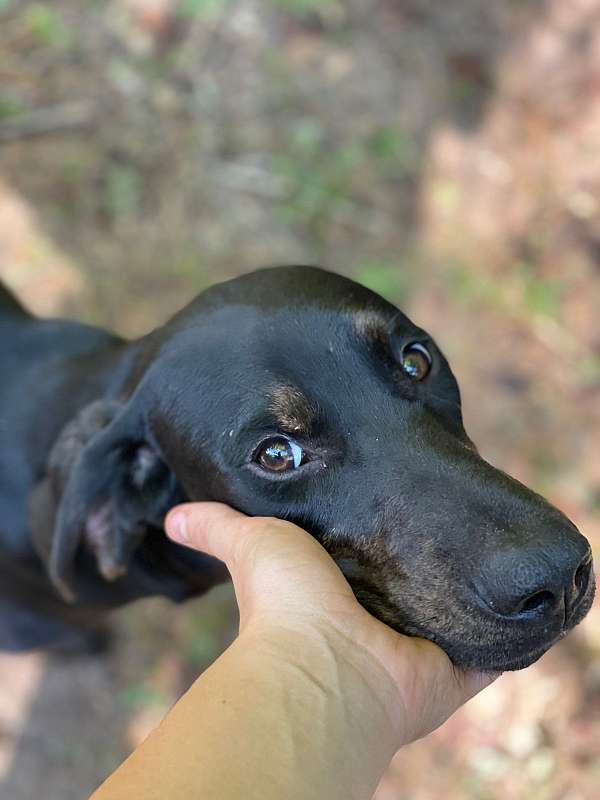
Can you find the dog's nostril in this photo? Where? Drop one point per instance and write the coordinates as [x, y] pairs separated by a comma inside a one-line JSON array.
[[582, 576], [538, 582], [540, 601]]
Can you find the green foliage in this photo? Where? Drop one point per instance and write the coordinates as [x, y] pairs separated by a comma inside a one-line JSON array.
[[390, 279], [203, 647], [9, 106], [142, 696], [203, 8], [123, 191], [447, 195], [542, 297], [303, 8], [589, 370], [73, 170], [308, 137], [393, 147], [472, 287], [45, 25], [207, 634], [322, 179], [546, 466], [319, 180], [593, 500], [539, 297]]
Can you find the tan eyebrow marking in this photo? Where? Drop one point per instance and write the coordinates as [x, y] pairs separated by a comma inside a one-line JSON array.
[[291, 409], [371, 326]]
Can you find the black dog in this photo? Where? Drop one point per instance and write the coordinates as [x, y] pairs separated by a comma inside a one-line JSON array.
[[290, 392]]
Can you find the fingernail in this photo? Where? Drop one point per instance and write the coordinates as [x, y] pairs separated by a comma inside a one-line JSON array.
[[178, 527]]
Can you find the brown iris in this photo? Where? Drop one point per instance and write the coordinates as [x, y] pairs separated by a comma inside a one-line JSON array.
[[416, 361], [279, 454]]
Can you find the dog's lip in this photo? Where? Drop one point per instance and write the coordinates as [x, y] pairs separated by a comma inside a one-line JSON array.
[[486, 659], [524, 651]]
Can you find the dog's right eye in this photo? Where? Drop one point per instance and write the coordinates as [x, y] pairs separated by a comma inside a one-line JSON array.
[[416, 361], [279, 454]]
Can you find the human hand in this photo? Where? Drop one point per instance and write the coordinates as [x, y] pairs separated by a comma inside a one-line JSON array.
[[290, 591]]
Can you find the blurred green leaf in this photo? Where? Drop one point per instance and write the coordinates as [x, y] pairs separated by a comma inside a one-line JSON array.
[[447, 195], [320, 179], [203, 647], [203, 8], [46, 26], [542, 297], [307, 137], [589, 370], [593, 500], [391, 280], [123, 191], [302, 8], [393, 146], [142, 696], [9, 106], [472, 287]]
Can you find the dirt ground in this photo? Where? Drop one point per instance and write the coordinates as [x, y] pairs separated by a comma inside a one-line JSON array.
[[445, 155]]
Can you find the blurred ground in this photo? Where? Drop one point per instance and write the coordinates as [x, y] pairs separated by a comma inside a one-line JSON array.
[[444, 154]]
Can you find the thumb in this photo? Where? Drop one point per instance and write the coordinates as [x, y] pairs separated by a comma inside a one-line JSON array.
[[226, 534], [213, 528], [264, 545], [273, 563]]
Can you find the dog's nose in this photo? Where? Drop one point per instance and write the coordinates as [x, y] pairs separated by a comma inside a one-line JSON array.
[[540, 580]]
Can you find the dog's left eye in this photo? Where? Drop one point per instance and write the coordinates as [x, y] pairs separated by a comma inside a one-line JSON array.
[[416, 361], [279, 454]]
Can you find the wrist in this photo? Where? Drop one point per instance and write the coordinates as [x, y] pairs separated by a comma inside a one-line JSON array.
[[405, 687], [318, 657]]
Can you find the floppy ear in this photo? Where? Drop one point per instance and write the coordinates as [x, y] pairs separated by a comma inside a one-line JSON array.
[[106, 486]]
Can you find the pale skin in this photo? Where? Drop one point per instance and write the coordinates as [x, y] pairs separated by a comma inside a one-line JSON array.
[[311, 700]]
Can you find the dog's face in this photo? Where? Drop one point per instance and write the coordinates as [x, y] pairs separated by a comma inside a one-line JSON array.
[[298, 394]]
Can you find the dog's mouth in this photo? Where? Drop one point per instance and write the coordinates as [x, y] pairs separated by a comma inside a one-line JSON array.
[[476, 639]]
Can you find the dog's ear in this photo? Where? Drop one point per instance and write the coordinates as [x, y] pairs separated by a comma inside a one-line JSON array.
[[106, 486]]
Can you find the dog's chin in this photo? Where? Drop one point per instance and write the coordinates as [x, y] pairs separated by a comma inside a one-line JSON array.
[[492, 658]]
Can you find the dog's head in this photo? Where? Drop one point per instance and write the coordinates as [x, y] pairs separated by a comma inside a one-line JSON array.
[[299, 394]]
